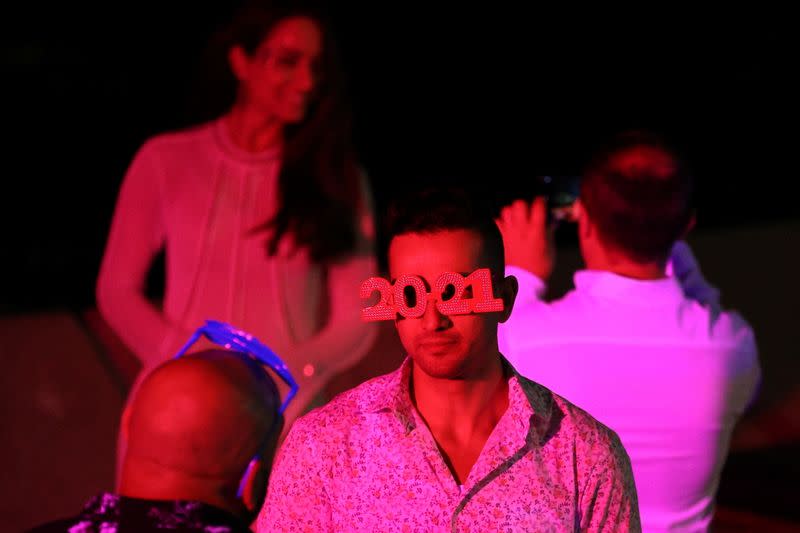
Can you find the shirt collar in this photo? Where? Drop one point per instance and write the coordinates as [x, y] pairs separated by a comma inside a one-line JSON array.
[[528, 402], [609, 285]]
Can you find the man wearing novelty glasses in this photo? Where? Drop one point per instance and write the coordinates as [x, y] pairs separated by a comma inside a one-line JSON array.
[[455, 439]]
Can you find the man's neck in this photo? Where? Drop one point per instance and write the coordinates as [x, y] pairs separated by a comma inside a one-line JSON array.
[[149, 481], [617, 263], [462, 409]]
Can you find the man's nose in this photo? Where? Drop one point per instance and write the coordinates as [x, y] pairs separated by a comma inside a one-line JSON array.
[[432, 319]]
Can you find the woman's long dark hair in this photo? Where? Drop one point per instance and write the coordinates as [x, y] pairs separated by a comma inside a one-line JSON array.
[[318, 184]]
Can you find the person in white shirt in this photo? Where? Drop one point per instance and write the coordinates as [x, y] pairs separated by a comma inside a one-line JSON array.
[[642, 342]]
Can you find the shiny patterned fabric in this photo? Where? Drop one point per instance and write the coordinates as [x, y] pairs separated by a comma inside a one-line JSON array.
[[367, 462], [111, 513]]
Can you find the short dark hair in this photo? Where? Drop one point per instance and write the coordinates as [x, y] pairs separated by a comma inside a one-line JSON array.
[[446, 208], [637, 192]]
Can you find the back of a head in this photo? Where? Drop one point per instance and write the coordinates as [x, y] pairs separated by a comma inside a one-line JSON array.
[[445, 209], [638, 194], [198, 418]]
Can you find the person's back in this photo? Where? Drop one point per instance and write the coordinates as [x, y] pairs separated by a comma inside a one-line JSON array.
[[650, 355], [668, 375], [202, 429]]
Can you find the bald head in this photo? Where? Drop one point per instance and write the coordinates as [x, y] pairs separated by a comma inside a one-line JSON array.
[[197, 421]]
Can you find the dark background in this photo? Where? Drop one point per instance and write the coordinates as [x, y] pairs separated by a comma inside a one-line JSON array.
[[487, 95], [484, 94]]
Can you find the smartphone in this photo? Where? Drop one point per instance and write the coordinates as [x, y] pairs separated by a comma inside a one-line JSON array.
[[561, 193]]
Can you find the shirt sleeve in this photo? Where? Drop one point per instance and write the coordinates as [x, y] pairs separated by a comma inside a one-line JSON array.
[[531, 287], [683, 266], [137, 234], [608, 500], [528, 303]]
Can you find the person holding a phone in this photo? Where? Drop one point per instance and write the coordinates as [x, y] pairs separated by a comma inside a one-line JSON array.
[[641, 342]]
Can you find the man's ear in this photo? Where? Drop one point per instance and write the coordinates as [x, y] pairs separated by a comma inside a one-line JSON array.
[[577, 209], [253, 487], [508, 292], [585, 225], [238, 61], [581, 218]]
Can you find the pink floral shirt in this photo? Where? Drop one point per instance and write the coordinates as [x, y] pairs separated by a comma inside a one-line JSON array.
[[367, 462]]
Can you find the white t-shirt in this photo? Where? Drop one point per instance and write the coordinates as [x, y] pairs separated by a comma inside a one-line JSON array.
[[669, 374]]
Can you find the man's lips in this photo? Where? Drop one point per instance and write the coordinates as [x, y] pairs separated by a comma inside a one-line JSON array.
[[437, 342]]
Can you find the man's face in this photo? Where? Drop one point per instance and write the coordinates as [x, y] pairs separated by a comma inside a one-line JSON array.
[[444, 346]]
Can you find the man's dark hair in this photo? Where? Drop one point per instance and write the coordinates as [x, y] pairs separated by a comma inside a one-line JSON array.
[[445, 209], [637, 192]]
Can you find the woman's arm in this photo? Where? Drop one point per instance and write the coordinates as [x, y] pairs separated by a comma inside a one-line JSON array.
[[137, 234]]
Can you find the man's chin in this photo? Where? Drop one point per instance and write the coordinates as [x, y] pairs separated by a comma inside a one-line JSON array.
[[440, 364]]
